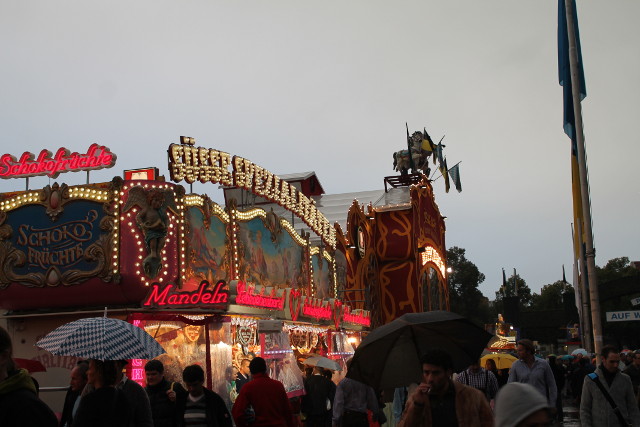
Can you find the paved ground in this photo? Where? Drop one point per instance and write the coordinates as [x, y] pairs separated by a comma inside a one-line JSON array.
[[571, 414]]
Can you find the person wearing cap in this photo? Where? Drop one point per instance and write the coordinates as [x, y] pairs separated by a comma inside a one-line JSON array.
[[440, 401], [521, 405], [595, 409], [536, 372]]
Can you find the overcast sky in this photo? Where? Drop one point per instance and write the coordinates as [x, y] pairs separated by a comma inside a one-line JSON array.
[[328, 86]]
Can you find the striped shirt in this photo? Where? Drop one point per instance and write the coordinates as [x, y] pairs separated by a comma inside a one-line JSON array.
[[482, 380], [195, 414]]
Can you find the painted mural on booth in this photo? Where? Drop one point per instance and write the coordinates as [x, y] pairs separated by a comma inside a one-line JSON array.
[[269, 256], [207, 243], [322, 276]]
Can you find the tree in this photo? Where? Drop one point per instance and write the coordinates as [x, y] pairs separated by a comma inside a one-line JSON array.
[[552, 296], [464, 296], [515, 286], [618, 284], [615, 268]]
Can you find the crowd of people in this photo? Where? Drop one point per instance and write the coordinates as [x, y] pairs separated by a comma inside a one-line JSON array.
[[100, 394]]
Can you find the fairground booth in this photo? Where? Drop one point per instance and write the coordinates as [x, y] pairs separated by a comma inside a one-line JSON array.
[[281, 270]]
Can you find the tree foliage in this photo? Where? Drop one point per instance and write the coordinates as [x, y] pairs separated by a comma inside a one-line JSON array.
[[464, 296], [615, 268], [552, 296], [515, 286]]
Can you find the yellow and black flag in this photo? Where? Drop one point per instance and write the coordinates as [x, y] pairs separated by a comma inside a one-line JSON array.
[[427, 142]]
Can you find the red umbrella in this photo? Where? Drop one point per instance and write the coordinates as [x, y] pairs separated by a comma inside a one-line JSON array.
[[31, 365]]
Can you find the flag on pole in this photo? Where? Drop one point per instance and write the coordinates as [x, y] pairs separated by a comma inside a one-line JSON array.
[[437, 153], [427, 142], [576, 288], [578, 216], [564, 73], [564, 277], [504, 283], [564, 69], [445, 174], [454, 173], [411, 164]]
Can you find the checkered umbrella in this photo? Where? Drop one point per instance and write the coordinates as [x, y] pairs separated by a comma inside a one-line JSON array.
[[101, 338]]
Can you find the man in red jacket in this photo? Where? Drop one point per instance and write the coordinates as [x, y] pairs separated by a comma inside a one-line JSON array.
[[262, 402]]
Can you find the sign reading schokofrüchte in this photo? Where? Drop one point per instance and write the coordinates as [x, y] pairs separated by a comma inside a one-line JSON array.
[[191, 164], [96, 157]]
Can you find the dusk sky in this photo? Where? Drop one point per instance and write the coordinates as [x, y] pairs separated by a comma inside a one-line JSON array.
[[327, 86]]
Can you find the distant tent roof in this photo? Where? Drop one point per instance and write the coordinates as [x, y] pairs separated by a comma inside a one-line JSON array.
[[335, 207]]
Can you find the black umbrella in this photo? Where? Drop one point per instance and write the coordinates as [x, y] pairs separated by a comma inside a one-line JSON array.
[[390, 355]]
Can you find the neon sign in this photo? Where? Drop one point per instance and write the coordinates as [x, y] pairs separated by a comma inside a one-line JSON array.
[[316, 309], [96, 157], [246, 296], [358, 317], [162, 296]]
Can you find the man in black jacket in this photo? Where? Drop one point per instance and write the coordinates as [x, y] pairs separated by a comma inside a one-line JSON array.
[[316, 404], [200, 406], [162, 395]]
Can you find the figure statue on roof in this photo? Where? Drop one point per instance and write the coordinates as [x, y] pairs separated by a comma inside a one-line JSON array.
[[419, 156]]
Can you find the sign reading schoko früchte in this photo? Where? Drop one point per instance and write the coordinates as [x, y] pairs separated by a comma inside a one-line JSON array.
[[96, 157]]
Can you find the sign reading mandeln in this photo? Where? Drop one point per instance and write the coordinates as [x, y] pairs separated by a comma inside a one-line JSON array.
[[621, 316]]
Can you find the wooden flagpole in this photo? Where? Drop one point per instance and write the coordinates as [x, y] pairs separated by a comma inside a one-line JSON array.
[[584, 185]]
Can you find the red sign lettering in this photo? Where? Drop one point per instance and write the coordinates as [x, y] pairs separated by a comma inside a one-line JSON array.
[[361, 317], [315, 308], [96, 157], [245, 296], [162, 296]]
